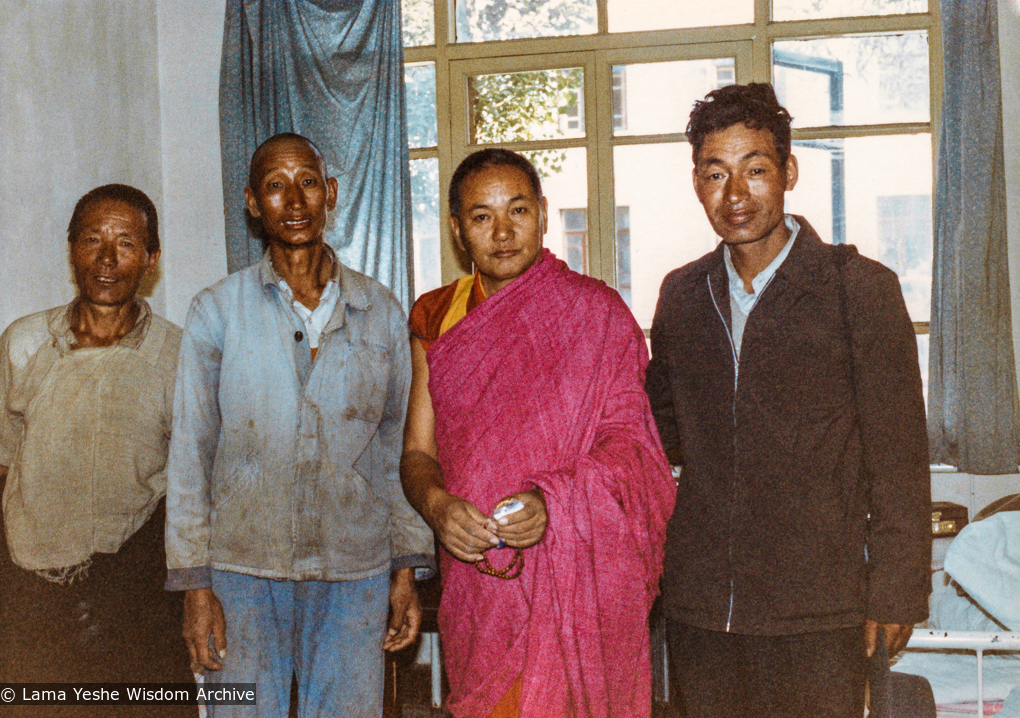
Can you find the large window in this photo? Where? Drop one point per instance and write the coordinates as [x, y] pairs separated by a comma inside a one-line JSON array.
[[597, 93]]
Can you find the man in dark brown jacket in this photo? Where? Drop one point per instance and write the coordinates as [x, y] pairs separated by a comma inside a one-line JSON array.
[[784, 377]]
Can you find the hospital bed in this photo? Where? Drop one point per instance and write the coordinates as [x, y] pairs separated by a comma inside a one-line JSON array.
[[970, 650]]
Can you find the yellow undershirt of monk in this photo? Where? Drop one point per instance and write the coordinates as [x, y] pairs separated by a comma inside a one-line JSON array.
[[437, 311]]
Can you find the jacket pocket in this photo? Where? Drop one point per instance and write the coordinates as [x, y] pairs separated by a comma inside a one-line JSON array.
[[355, 385]]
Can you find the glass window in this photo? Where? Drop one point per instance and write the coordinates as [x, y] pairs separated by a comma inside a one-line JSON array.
[[418, 23], [420, 90], [857, 86], [853, 80], [658, 96], [425, 224], [880, 193], [521, 106], [619, 98], [665, 226], [623, 281], [813, 9], [633, 15], [575, 238], [481, 20], [564, 176], [904, 243]]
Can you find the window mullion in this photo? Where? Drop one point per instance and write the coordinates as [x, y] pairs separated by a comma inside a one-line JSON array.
[[602, 12], [601, 241], [761, 45], [445, 23]]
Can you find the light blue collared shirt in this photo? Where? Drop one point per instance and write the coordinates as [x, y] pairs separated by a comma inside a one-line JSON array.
[[315, 319], [741, 301]]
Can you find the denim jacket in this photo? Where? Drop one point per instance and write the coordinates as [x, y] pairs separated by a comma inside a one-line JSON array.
[[280, 466]]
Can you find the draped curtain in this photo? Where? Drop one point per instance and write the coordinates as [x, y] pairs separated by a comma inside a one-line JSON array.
[[973, 415], [331, 70]]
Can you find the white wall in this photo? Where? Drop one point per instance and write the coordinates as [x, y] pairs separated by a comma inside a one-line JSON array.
[[194, 255], [98, 91], [79, 102]]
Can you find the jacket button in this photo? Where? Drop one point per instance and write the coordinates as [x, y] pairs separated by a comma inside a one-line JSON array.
[[298, 336]]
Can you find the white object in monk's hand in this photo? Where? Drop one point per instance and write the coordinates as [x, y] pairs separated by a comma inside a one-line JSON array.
[[505, 509]]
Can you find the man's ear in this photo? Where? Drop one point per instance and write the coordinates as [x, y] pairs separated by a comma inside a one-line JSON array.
[[545, 215], [253, 207], [792, 172], [331, 194], [694, 181], [153, 260], [455, 231]]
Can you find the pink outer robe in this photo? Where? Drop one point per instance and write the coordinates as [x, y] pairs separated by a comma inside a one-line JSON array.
[[543, 385]]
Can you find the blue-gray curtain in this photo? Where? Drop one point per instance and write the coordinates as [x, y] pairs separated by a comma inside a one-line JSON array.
[[331, 70], [973, 415]]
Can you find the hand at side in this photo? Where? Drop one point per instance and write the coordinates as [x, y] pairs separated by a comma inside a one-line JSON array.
[[203, 617]]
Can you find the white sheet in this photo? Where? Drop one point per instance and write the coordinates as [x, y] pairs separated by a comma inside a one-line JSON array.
[[985, 560], [978, 591]]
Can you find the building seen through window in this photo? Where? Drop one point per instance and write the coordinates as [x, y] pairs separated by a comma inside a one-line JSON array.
[[575, 245]]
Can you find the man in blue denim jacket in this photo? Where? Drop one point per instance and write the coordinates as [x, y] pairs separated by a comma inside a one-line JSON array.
[[286, 524]]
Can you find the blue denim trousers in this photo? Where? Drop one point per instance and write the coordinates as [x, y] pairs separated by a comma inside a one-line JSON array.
[[328, 634]]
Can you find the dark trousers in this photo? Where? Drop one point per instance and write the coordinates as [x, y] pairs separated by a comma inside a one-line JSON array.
[[821, 675], [117, 625]]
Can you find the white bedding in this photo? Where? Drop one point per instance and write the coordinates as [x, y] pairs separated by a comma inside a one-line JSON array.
[[979, 590], [985, 560]]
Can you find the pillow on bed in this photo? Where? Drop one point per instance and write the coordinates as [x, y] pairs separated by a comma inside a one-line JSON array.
[[985, 560]]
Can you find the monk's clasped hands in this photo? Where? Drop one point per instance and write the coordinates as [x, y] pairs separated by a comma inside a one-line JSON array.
[[463, 530], [467, 533], [525, 527]]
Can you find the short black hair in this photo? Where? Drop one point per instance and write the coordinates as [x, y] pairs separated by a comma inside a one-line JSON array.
[[131, 196], [754, 105], [483, 159]]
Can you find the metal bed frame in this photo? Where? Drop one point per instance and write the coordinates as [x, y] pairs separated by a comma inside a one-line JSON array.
[[921, 640], [976, 641]]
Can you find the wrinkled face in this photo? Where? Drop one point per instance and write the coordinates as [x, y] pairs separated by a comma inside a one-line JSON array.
[[109, 254], [501, 224], [742, 185], [290, 193]]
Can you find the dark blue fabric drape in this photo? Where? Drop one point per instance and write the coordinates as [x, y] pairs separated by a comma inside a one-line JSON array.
[[331, 70], [973, 415]]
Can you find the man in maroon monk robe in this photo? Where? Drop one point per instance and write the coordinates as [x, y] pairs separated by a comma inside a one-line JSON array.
[[527, 391]]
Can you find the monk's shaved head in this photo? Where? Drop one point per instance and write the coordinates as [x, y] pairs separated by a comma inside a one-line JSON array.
[[265, 150]]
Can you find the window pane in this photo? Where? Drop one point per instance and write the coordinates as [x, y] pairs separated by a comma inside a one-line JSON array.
[[665, 224], [809, 9], [874, 192], [657, 97], [632, 15], [425, 224], [575, 238], [922, 359], [481, 20], [418, 17], [853, 80], [565, 185], [624, 283], [521, 106], [420, 89]]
